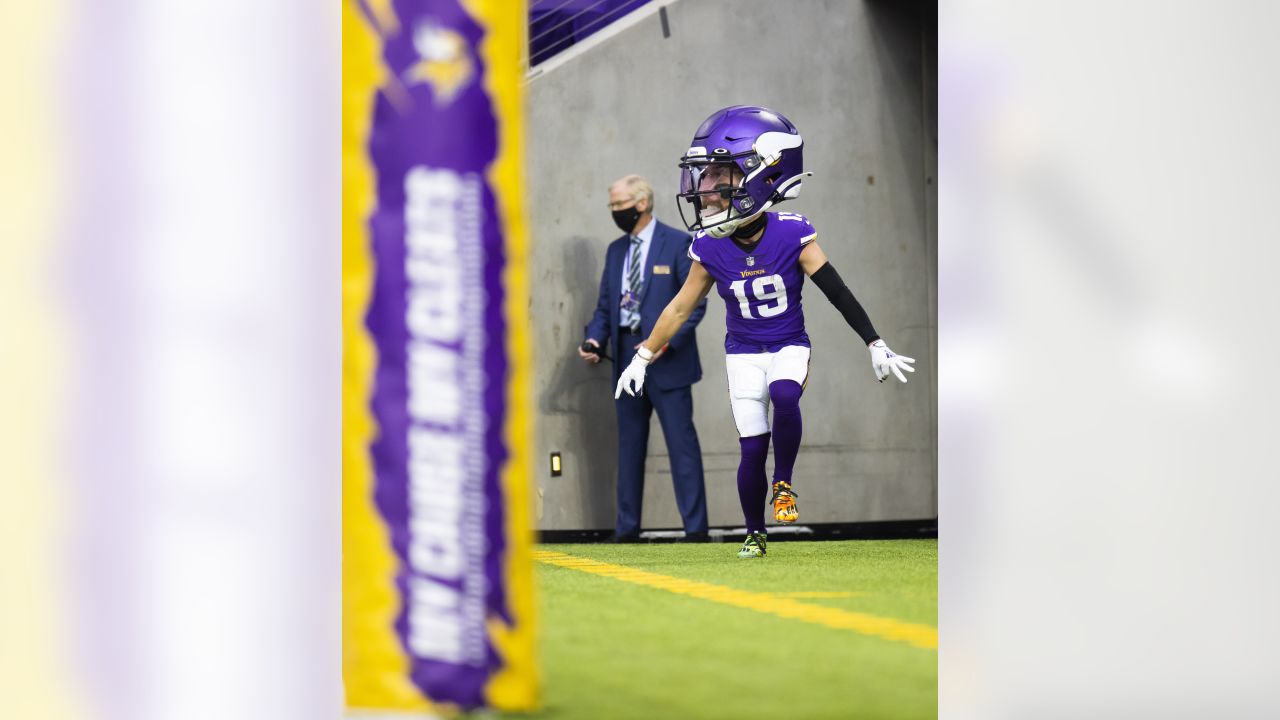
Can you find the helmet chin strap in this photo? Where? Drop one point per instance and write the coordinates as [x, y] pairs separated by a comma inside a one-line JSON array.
[[722, 230], [728, 227]]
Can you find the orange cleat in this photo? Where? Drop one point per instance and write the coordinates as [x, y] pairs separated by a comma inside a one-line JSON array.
[[784, 503]]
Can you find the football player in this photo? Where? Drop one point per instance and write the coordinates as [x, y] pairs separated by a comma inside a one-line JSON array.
[[742, 162]]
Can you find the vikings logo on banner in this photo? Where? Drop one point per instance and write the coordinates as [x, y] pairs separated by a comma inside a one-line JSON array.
[[436, 573]]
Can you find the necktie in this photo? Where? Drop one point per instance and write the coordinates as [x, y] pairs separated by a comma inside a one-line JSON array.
[[633, 277]]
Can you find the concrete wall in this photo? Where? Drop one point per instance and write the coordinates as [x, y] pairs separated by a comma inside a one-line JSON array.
[[858, 79]]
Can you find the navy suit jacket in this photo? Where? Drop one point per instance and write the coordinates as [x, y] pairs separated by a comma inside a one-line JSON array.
[[679, 365]]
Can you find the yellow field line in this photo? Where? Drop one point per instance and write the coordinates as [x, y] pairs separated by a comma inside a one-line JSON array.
[[921, 636], [816, 594]]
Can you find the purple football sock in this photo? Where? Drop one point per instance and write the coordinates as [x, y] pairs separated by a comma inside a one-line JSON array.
[[787, 427], [753, 487]]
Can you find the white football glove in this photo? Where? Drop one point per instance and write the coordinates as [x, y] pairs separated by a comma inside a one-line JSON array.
[[884, 361], [632, 379]]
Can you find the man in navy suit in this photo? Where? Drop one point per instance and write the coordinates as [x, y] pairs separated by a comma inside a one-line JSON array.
[[643, 271]]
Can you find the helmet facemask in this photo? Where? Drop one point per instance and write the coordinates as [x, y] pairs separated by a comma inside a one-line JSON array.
[[712, 193]]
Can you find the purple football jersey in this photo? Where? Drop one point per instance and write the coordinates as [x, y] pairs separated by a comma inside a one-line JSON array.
[[761, 288]]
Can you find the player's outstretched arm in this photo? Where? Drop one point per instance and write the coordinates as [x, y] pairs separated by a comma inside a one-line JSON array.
[[883, 360], [684, 335], [695, 288]]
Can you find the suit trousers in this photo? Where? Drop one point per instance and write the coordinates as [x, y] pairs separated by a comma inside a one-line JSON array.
[[675, 414]]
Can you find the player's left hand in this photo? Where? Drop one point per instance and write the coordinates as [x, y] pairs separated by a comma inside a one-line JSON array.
[[632, 380], [884, 361]]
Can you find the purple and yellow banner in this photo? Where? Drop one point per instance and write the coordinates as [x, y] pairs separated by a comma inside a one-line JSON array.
[[437, 577]]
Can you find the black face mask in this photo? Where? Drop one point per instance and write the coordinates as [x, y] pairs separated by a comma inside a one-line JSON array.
[[626, 219]]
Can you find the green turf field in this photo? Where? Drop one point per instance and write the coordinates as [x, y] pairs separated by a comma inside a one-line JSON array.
[[615, 648]]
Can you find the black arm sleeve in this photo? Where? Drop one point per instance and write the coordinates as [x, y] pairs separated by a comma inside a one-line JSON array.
[[829, 282]]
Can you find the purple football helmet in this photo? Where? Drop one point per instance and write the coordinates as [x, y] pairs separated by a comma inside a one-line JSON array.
[[742, 161]]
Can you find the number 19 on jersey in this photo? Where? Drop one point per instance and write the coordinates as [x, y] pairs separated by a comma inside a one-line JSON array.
[[764, 290]]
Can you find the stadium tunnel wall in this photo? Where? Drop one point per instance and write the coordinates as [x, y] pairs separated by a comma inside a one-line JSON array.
[[859, 80]]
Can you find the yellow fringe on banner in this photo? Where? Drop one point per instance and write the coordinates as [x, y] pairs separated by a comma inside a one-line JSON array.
[[515, 687], [374, 665]]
